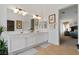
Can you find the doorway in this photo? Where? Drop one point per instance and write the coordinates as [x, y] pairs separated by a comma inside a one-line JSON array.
[[68, 24]]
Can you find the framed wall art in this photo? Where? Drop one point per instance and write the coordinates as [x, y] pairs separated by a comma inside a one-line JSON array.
[[18, 24], [10, 25], [52, 19]]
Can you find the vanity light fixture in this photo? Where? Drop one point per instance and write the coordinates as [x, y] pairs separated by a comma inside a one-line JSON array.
[[16, 10], [36, 17], [24, 13], [19, 11], [39, 17]]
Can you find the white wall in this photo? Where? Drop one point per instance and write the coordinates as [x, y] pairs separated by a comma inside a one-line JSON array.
[[27, 22], [3, 15]]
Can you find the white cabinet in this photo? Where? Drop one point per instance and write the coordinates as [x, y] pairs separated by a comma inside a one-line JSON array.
[[41, 37], [30, 41], [17, 42], [24, 40], [36, 38]]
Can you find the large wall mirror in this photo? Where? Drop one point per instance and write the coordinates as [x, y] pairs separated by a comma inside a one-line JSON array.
[[34, 24], [37, 25]]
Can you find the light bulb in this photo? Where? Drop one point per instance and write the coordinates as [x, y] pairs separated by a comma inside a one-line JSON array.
[[39, 17], [34, 16], [24, 13], [20, 12], [16, 10]]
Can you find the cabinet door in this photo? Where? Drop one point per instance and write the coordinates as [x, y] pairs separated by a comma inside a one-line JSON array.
[[41, 37], [17, 43], [30, 41], [38, 38]]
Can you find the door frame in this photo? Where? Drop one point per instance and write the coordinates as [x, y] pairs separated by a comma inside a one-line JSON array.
[[59, 21]]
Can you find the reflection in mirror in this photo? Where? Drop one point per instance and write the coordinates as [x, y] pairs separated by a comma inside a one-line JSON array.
[[43, 24]]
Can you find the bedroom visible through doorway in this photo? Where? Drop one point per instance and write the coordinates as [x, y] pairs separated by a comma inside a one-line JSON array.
[[68, 18]]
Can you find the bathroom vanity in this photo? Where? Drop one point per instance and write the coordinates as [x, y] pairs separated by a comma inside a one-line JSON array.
[[21, 41], [24, 32]]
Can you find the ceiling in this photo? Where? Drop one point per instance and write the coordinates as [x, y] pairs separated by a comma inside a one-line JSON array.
[[39, 8]]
